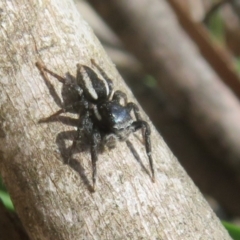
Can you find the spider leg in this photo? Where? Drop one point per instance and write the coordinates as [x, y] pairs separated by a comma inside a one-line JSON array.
[[83, 119], [63, 80], [94, 155], [144, 125], [118, 95], [62, 110], [79, 133], [110, 140], [42, 68], [139, 124], [132, 106]]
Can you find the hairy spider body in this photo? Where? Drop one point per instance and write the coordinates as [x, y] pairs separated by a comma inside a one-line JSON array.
[[104, 116]]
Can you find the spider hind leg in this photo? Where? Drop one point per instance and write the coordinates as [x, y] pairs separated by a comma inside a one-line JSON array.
[[146, 129]]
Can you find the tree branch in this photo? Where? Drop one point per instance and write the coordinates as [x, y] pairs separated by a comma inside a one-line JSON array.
[[53, 199], [182, 73]]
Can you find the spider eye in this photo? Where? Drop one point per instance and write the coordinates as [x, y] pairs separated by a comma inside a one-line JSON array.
[[120, 128]]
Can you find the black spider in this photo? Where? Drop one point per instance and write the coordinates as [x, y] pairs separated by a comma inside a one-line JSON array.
[[102, 115]]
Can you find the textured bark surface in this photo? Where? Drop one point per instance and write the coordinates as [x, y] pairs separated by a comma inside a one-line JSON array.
[[53, 199], [166, 51], [212, 177]]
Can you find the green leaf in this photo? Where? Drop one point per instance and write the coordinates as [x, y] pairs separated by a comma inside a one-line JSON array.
[[4, 196], [233, 230]]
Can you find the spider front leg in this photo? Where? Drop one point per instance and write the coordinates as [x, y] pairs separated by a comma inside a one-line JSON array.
[[144, 125], [132, 106], [110, 140], [74, 144], [94, 155], [84, 124], [139, 124]]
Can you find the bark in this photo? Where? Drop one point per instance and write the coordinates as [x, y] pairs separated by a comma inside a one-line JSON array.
[[53, 199], [208, 174], [151, 32]]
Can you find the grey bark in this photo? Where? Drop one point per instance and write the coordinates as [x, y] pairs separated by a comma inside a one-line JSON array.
[[53, 199]]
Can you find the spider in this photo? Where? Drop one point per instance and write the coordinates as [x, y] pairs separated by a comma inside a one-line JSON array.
[[103, 116]]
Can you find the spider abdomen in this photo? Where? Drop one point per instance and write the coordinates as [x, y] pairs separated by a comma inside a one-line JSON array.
[[94, 87]]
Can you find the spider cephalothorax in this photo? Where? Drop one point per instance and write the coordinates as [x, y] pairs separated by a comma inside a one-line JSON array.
[[105, 114]]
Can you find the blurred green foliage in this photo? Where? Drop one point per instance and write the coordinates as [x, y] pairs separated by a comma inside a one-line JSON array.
[[5, 198], [216, 27], [233, 230]]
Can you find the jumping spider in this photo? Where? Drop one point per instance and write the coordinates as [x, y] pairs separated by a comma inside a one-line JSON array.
[[103, 116]]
